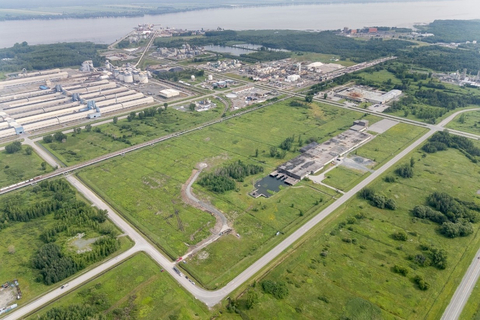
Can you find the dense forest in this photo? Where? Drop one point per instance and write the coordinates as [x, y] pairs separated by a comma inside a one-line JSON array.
[[42, 56], [71, 216], [452, 31], [443, 59]]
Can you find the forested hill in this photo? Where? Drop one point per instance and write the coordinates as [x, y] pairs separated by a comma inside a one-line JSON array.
[[41, 57], [452, 31]]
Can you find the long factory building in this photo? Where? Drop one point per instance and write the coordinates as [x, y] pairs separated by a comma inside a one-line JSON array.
[[36, 109]]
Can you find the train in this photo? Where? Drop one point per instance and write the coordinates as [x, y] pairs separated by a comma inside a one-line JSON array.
[[20, 183]]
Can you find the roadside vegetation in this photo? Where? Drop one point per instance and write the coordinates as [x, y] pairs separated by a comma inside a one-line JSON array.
[[132, 290], [92, 142], [379, 263], [19, 163], [467, 122], [39, 234]]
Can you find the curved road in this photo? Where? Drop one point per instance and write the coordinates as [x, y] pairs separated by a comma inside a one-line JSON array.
[[210, 298]]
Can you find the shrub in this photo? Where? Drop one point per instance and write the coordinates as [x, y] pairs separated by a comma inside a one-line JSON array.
[[400, 236], [277, 289], [400, 270]]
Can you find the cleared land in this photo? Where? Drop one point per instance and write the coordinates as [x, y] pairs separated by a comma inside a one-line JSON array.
[[113, 137], [20, 241], [136, 288], [346, 266], [19, 166]]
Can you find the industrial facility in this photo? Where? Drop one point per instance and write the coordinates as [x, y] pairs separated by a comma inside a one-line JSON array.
[[316, 156], [365, 94], [34, 101]]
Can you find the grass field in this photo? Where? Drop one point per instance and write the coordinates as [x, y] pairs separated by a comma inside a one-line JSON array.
[[139, 281], [384, 146], [471, 122], [24, 237], [89, 145], [145, 186], [344, 178], [19, 166], [471, 310], [353, 276]]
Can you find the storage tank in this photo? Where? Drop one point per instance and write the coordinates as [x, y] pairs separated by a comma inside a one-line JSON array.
[[116, 73], [128, 77], [136, 76], [142, 77], [210, 77], [121, 76], [192, 77]]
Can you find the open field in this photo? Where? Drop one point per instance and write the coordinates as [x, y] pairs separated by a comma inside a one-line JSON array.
[[19, 166], [472, 308], [136, 282], [344, 267], [389, 143], [470, 122], [145, 186], [20, 241], [344, 178], [113, 137]]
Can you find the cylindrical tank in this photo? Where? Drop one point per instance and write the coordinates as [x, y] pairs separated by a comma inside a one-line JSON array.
[[121, 76], [210, 77], [136, 75], [116, 73], [128, 77], [142, 77], [192, 77]]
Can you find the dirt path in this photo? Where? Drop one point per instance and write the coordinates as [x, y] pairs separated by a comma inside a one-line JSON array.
[[221, 226]]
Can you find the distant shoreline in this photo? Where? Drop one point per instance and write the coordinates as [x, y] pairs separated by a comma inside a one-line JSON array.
[[103, 15]]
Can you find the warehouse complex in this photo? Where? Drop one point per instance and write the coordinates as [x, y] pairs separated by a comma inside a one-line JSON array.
[[316, 156], [32, 101]]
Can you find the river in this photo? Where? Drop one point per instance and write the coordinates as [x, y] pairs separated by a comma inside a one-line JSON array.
[[299, 17]]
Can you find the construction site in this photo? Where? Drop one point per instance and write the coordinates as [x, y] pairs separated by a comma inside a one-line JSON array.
[[33, 101], [9, 293]]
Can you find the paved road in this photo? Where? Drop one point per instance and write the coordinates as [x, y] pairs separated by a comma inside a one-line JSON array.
[[211, 298], [464, 290]]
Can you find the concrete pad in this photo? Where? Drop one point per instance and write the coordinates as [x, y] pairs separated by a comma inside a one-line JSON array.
[[382, 126]]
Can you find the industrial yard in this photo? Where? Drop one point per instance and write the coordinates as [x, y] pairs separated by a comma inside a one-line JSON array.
[[34, 101]]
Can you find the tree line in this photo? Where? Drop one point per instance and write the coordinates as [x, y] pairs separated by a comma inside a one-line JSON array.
[[443, 140], [223, 179], [42, 56]]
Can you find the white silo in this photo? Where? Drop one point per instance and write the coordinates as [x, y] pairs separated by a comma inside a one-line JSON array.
[[128, 78], [121, 76], [142, 77], [192, 77], [210, 77], [136, 75]]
